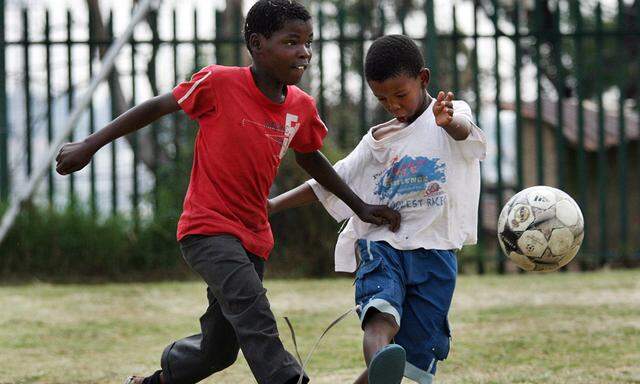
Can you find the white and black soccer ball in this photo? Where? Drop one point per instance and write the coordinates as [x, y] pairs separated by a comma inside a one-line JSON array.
[[541, 229]]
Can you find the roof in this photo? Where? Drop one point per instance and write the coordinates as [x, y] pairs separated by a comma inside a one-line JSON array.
[[570, 121]]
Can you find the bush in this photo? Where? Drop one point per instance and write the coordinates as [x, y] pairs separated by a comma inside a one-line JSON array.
[[72, 244]]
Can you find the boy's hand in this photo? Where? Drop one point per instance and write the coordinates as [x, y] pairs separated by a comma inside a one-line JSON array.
[[73, 157], [443, 109], [380, 215]]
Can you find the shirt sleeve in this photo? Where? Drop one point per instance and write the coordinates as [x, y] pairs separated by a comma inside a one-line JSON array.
[[348, 170], [196, 97], [475, 145], [311, 134]]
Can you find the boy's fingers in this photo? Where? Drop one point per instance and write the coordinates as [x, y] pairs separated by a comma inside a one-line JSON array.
[[449, 96], [440, 96], [395, 224]]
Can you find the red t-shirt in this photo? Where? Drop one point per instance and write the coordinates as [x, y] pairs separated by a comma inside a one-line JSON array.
[[242, 138]]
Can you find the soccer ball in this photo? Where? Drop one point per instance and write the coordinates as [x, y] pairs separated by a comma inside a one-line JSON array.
[[541, 229]]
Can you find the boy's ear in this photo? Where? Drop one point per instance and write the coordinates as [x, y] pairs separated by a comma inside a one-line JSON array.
[[254, 42], [425, 76]]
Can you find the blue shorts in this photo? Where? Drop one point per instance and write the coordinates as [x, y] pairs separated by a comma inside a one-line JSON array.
[[416, 287]]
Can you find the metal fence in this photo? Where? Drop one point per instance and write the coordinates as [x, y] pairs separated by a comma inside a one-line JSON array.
[[554, 85]]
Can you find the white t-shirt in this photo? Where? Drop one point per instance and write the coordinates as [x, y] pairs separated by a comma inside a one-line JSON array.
[[432, 179]]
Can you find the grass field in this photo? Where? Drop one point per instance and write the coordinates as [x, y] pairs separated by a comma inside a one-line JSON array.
[[555, 328]]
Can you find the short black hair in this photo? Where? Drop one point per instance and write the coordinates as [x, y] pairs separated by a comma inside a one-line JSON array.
[[268, 16], [392, 55]]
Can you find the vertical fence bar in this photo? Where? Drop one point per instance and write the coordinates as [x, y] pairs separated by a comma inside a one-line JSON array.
[[581, 155], [237, 20], [152, 72], [431, 40], [538, 63], [500, 258], [478, 106], [637, 252], [174, 116], [518, 107], [602, 156], [560, 87], [382, 19], [93, 48], [342, 134], [455, 45], [27, 91], [402, 15], [219, 36], [363, 83], [70, 97], [622, 154], [47, 47], [320, 43], [114, 152], [134, 137], [196, 41], [4, 128], [559, 134]]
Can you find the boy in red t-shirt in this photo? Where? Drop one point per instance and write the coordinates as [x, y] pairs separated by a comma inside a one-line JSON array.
[[248, 117]]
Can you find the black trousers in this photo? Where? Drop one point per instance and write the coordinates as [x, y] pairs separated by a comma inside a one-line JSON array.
[[238, 317]]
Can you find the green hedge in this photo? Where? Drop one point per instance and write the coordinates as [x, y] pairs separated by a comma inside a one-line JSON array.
[[72, 245]]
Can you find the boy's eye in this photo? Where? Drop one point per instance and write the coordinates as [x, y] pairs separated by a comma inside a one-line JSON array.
[[308, 44]]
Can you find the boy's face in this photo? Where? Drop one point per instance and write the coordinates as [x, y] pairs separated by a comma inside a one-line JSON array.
[[403, 96], [287, 53]]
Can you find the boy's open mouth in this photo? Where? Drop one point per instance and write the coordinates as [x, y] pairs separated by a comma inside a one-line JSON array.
[[301, 67]]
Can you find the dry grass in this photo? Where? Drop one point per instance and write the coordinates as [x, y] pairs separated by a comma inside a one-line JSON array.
[[556, 328]]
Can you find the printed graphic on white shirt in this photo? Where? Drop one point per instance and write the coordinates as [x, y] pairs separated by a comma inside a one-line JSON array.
[[412, 183]]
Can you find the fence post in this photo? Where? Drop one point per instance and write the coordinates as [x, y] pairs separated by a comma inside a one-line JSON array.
[[135, 195], [364, 126], [27, 92], [518, 96], [478, 105], [500, 258], [581, 160], [114, 146], [4, 128], [602, 156], [47, 42], [320, 44], [70, 99], [431, 42], [622, 159], [93, 49]]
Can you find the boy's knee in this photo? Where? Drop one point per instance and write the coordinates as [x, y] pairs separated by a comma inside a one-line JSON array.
[[380, 323], [225, 360]]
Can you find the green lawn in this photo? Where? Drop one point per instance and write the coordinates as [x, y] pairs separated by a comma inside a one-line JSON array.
[[555, 328]]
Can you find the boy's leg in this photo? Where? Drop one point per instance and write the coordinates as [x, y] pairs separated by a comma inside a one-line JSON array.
[[379, 293], [196, 357], [425, 333], [234, 280], [379, 330]]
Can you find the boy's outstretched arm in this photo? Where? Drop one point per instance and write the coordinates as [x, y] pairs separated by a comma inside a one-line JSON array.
[[75, 156], [297, 197], [320, 169], [457, 127]]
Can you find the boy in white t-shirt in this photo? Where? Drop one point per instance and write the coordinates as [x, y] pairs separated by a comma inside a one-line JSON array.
[[426, 164]]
